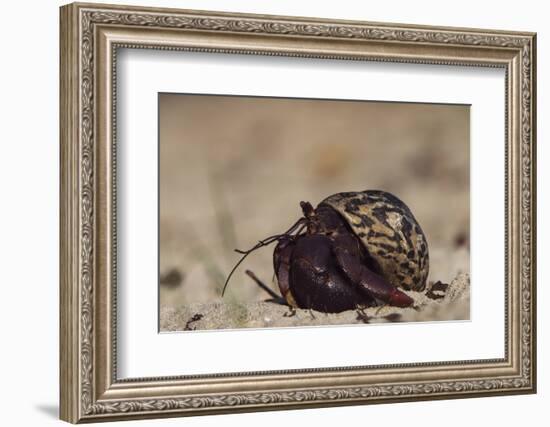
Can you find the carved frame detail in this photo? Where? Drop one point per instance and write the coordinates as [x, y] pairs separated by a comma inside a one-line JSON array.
[[84, 397]]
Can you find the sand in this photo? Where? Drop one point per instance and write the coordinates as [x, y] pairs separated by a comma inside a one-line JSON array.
[[434, 304]]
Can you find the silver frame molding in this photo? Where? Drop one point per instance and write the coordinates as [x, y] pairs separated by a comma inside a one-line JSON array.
[[90, 37]]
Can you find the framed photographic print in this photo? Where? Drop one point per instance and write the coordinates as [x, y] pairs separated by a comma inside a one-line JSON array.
[[265, 212], [234, 172]]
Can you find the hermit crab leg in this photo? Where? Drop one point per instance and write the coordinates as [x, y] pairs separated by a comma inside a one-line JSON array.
[[262, 285], [371, 282]]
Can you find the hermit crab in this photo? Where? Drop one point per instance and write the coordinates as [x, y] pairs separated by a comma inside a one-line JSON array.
[[355, 249]]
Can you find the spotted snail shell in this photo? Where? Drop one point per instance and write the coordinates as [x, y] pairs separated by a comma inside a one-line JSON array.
[[390, 233]]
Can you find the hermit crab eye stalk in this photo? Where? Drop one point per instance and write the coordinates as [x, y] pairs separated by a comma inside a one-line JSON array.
[[307, 209], [296, 228]]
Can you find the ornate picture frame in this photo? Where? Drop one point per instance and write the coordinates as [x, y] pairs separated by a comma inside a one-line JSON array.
[[90, 37]]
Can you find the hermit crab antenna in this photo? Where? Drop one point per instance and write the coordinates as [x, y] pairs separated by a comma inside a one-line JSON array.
[[265, 242]]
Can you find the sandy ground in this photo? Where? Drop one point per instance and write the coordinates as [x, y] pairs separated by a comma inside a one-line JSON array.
[[234, 169], [439, 303]]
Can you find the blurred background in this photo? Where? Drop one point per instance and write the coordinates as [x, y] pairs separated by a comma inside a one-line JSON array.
[[234, 169]]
